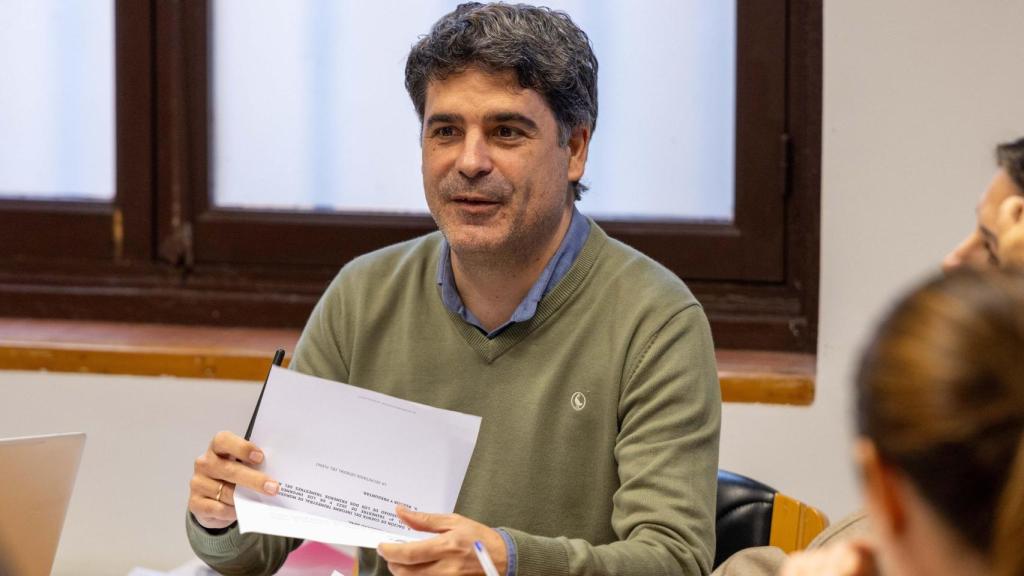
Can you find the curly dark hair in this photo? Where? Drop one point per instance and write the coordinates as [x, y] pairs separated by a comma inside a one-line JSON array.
[[545, 48], [1010, 157]]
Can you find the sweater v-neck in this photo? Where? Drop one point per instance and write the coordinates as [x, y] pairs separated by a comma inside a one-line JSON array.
[[490, 349]]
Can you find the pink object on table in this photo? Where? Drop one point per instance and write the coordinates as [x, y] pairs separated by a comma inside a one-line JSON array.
[[316, 559]]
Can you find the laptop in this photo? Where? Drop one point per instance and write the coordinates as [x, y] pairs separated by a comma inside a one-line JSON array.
[[38, 476]]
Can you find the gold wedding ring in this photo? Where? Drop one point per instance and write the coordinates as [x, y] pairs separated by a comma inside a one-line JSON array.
[[220, 492]]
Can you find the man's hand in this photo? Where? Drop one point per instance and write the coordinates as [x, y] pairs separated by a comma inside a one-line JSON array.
[[849, 558], [1010, 231], [451, 552], [224, 465]]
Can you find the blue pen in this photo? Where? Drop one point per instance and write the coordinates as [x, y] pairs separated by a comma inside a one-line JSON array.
[[485, 559]]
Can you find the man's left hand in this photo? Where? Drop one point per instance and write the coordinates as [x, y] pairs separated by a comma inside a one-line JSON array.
[[846, 558], [450, 552]]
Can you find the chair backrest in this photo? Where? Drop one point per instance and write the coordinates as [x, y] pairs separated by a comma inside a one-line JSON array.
[[795, 524], [749, 513]]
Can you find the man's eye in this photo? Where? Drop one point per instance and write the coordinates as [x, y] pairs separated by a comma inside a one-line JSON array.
[[445, 132], [993, 258], [506, 132]]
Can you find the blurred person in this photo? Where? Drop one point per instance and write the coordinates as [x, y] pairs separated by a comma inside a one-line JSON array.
[[940, 417], [998, 238], [996, 242]]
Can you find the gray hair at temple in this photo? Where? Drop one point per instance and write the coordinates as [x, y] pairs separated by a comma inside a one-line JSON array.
[[547, 51], [1010, 157]]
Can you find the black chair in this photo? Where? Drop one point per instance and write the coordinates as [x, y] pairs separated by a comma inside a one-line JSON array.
[[749, 513]]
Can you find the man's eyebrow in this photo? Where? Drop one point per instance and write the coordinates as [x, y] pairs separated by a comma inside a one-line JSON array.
[[513, 117], [443, 119]]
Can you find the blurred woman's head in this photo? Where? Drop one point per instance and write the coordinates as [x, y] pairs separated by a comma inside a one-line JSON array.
[[941, 417]]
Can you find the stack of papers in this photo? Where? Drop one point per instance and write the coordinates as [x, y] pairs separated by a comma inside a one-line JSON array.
[[346, 457]]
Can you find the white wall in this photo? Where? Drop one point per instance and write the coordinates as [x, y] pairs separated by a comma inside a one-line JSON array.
[[128, 507], [916, 94]]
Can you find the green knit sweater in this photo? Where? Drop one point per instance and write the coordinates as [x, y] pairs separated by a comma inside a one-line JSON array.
[[598, 448]]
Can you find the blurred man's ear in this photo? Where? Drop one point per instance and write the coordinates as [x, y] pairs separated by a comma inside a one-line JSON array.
[[883, 490]]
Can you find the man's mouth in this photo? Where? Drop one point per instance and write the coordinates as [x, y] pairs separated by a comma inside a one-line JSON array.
[[475, 207], [474, 200]]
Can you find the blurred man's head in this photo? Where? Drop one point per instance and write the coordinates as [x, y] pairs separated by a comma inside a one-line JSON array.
[[981, 247]]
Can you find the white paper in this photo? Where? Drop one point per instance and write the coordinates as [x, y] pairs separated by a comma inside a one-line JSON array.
[[346, 456]]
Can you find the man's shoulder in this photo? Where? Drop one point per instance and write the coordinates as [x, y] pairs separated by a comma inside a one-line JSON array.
[[399, 261], [856, 525], [768, 560], [628, 270]]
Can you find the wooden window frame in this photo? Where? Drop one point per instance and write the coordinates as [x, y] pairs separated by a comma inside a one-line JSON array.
[[162, 253]]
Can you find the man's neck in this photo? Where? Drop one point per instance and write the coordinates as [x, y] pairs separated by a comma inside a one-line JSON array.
[[492, 286]]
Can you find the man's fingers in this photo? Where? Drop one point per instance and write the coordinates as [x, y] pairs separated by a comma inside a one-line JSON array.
[[224, 465], [851, 558], [450, 552], [863, 553], [241, 475], [404, 569], [217, 490], [220, 468], [412, 553], [425, 522], [210, 513], [227, 494], [796, 565], [423, 551], [229, 445]]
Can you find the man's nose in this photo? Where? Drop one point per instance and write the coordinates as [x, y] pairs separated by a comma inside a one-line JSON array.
[[952, 261], [475, 157], [970, 251]]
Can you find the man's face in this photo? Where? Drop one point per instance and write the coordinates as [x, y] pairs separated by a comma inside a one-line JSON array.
[[496, 180], [980, 247]]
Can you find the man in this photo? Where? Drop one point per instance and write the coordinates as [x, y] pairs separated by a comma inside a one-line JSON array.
[[998, 240], [999, 237], [591, 366]]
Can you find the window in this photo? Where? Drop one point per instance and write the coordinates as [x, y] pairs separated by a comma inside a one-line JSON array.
[[56, 101], [309, 110], [235, 194]]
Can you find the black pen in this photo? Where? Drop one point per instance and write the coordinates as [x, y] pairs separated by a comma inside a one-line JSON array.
[[278, 358]]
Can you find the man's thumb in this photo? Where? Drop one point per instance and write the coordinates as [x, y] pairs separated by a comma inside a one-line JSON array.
[[423, 521]]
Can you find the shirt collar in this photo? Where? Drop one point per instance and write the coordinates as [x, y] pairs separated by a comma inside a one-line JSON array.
[[557, 267]]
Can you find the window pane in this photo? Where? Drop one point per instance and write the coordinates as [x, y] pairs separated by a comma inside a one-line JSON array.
[[310, 109], [57, 99]]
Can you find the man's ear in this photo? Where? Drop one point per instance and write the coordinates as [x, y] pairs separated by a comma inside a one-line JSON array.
[[579, 145], [884, 490]]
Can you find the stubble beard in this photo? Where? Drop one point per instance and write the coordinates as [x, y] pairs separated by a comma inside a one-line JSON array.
[[521, 241]]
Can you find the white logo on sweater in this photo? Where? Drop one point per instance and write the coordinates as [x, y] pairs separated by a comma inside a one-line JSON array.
[[578, 401]]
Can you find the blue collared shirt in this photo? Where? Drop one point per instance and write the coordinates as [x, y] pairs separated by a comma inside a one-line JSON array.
[[557, 268]]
